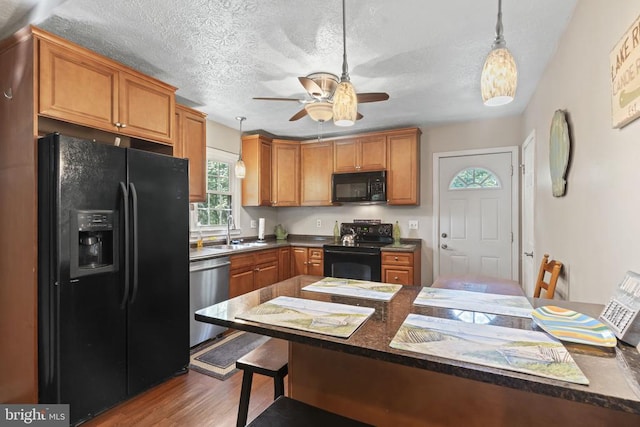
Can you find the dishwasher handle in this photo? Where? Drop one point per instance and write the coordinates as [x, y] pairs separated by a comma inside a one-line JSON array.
[[209, 267]]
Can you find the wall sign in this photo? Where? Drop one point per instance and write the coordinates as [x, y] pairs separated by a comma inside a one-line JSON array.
[[625, 77]]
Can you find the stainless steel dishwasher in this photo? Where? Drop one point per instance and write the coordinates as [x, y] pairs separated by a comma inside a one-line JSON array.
[[208, 285]]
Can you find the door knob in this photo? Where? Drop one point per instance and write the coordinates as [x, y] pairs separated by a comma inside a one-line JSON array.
[[444, 246], [444, 235], [530, 254]]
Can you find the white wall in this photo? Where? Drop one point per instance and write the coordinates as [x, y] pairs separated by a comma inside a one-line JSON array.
[[595, 228]]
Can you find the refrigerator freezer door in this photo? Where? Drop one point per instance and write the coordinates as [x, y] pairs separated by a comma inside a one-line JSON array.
[[158, 328], [82, 332]]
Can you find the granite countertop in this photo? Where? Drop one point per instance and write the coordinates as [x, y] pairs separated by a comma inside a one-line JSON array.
[[220, 249], [614, 374]]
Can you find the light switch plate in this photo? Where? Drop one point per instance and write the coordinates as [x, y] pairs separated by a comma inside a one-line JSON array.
[[413, 224], [253, 223]]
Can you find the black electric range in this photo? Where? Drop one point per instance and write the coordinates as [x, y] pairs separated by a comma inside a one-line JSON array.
[[362, 259]]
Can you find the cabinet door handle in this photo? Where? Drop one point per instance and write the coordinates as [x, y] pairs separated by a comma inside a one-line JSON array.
[[396, 278], [8, 94], [395, 258], [123, 125]]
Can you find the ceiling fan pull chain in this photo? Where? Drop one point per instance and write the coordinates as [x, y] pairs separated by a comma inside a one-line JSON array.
[[320, 123]]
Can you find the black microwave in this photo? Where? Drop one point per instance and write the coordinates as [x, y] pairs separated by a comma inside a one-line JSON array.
[[363, 187]]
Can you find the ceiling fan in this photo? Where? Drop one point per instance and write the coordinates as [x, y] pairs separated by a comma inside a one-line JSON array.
[[323, 102]]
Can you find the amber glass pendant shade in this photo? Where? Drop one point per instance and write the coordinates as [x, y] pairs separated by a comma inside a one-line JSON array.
[[499, 78], [345, 104]]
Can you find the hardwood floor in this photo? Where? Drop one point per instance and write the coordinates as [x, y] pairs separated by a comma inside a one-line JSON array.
[[193, 399]]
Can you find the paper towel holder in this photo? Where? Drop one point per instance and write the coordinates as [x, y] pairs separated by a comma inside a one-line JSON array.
[[261, 224]]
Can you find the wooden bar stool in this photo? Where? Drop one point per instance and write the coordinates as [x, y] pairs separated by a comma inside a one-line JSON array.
[[270, 359], [286, 412]]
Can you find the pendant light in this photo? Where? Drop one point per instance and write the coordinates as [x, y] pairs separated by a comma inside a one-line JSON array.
[[499, 75], [241, 170], [345, 100]]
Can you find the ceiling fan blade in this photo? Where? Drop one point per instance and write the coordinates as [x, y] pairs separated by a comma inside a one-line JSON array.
[[310, 86], [359, 116], [300, 114], [278, 99], [372, 97]]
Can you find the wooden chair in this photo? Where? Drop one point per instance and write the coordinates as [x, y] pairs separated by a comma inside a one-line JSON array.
[[552, 267], [270, 359]]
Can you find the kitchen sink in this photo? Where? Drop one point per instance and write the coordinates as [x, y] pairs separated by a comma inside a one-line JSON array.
[[238, 246], [212, 250], [206, 252]]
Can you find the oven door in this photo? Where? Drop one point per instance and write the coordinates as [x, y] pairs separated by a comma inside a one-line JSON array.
[[350, 262]]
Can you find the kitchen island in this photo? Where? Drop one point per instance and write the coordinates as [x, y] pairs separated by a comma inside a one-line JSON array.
[[362, 377]]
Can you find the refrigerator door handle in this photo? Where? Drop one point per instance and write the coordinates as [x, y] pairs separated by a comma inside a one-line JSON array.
[[134, 212], [125, 209]]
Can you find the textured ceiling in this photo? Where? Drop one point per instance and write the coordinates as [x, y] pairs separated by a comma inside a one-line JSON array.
[[426, 54]]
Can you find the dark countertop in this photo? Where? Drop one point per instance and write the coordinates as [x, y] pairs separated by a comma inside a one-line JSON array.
[[210, 251], [614, 374]]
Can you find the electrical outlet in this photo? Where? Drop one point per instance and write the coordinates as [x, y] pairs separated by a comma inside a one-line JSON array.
[[253, 223], [413, 224], [318, 223]]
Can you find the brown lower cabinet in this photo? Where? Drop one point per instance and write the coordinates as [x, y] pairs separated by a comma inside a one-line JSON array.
[[284, 263], [307, 261], [401, 268], [253, 270]]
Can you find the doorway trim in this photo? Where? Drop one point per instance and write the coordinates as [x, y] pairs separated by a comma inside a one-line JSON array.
[[515, 202], [530, 142]]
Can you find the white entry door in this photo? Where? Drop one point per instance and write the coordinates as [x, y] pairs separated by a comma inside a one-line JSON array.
[[476, 229]]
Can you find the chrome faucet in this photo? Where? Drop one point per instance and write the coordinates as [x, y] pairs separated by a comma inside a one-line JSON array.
[[229, 223]]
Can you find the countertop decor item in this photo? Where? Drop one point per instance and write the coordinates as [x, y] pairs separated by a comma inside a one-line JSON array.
[[571, 326], [396, 233], [280, 232], [559, 147], [336, 232]]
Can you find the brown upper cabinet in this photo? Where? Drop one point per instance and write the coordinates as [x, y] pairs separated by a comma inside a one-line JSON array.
[[285, 173], [403, 171], [292, 173], [360, 154], [316, 167], [191, 143], [256, 185], [79, 86]]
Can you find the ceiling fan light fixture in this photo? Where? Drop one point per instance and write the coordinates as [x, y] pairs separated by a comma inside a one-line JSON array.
[[345, 104], [319, 111], [499, 78], [240, 168]]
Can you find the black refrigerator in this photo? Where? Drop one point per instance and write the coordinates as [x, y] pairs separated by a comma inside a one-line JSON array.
[[113, 279]]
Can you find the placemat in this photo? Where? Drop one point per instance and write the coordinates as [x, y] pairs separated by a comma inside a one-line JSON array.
[[509, 305], [328, 318], [355, 288], [517, 350]]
